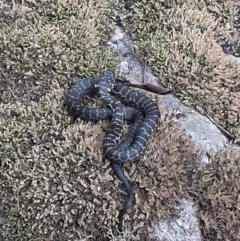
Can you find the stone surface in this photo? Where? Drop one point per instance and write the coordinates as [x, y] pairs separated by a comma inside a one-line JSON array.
[[183, 228], [203, 132]]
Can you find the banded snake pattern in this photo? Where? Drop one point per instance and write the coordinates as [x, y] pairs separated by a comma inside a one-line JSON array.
[[122, 104]]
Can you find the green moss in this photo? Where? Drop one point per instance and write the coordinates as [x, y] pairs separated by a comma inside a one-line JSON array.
[[50, 42]]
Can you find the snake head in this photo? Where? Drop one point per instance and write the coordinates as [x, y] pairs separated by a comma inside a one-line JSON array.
[[106, 80], [108, 75]]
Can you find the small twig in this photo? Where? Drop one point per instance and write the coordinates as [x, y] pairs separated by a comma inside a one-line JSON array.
[[148, 86], [13, 95], [142, 63], [224, 131]]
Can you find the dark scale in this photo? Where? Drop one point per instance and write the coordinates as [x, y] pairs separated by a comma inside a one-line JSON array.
[[122, 103]]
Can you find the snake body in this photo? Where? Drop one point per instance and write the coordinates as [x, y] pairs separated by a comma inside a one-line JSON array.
[[141, 110]]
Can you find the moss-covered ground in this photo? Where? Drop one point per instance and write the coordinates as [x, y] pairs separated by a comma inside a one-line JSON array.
[[54, 182]]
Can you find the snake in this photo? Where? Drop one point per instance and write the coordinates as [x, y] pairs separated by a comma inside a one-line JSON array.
[[122, 103]]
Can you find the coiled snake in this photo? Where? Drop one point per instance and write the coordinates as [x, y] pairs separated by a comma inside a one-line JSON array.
[[141, 110]]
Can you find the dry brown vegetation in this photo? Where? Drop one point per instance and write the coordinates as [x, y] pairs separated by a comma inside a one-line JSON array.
[[218, 188], [54, 182]]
